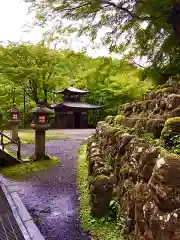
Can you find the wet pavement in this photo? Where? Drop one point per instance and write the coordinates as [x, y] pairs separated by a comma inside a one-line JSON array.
[[52, 196]]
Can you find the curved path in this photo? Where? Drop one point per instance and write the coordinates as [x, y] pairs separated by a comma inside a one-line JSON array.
[[52, 197]]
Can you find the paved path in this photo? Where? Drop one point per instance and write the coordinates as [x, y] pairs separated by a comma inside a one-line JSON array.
[[52, 195]]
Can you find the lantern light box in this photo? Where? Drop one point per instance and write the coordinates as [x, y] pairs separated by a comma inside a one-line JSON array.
[[14, 116], [42, 119]]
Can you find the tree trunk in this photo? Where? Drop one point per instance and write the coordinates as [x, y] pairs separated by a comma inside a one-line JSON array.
[[45, 96]]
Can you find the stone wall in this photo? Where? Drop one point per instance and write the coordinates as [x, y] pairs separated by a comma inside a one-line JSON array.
[[143, 177]]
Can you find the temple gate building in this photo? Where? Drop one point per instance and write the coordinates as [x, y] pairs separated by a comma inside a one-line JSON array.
[[72, 112]]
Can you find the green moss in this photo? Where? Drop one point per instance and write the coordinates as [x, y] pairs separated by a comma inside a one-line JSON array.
[[170, 121], [121, 131], [109, 119], [162, 90], [25, 170], [111, 129], [124, 169], [108, 128], [120, 108], [171, 128], [100, 229], [101, 177], [148, 137], [118, 119], [171, 156], [166, 132], [163, 151]]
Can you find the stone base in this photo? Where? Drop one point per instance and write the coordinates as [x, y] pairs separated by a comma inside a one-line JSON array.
[[39, 158], [40, 127]]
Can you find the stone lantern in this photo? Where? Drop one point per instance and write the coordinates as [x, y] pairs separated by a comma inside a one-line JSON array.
[[14, 121], [40, 125]]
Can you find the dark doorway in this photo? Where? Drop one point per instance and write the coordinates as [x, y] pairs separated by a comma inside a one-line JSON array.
[[77, 119]]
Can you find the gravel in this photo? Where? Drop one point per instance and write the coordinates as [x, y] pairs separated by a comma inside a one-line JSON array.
[[51, 196]]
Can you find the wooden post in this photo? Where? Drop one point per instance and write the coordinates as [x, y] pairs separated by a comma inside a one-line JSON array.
[[19, 148], [2, 143]]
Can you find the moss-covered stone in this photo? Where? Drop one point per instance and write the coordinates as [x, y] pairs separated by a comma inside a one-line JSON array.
[[107, 130], [128, 109], [140, 126], [155, 127], [122, 141], [145, 175], [109, 119], [171, 129], [129, 122], [172, 121], [162, 90], [118, 119], [176, 112], [101, 195], [138, 107], [174, 100]]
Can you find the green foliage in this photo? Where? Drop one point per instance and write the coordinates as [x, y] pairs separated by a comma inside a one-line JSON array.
[[32, 72], [31, 68], [148, 137], [25, 170], [170, 124], [100, 229], [170, 135], [142, 25], [112, 83], [175, 144]]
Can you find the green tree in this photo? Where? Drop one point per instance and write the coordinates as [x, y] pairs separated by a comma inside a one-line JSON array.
[[111, 83], [30, 72], [134, 27], [30, 67]]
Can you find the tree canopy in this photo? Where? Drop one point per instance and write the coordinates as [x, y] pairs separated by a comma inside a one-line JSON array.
[[30, 66], [32, 72], [135, 26]]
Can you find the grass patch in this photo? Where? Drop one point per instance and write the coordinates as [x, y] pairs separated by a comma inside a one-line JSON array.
[[25, 170], [100, 229], [28, 137]]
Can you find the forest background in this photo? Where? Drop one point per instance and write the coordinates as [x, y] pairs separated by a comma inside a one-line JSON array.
[[31, 72]]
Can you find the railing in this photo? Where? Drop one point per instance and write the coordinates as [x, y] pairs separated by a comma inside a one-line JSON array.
[[17, 142]]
